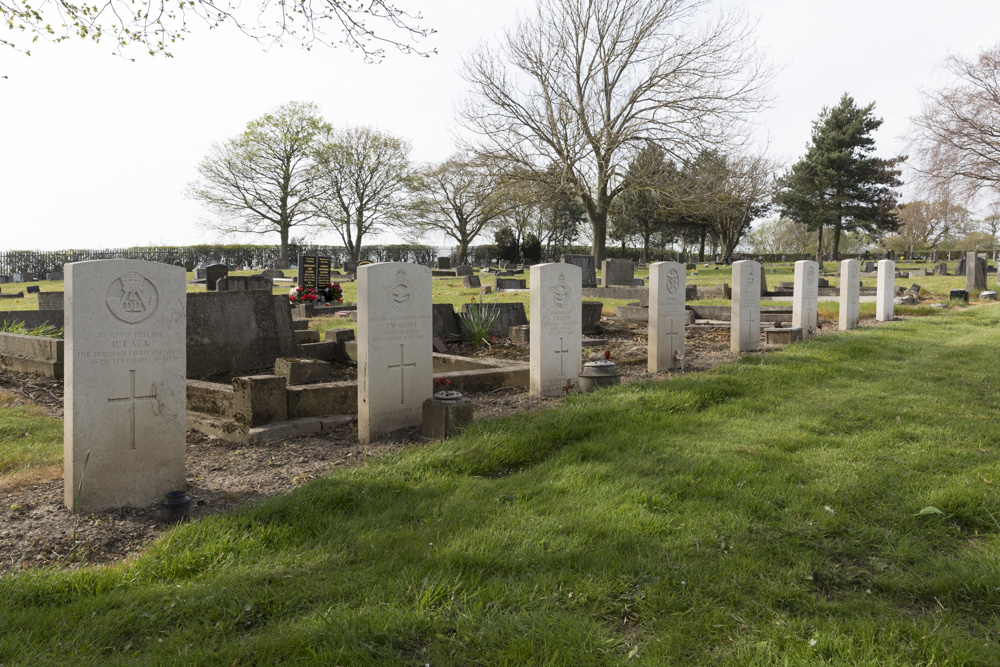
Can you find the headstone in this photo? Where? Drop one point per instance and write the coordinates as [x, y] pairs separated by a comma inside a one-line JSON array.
[[885, 290], [934, 256], [960, 269], [850, 281], [322, 272], [891, 255], [124, 430], [975, 276], [587, 266], [591, 316], [988, 295], [394, 346], [50, 300], [444, 323], [744, 330], [804, 296], [307, 266], [870, 267], [55, 275], [243, 284], [666, 316], [33, 289], [24, 277], [556, 330], [941, 269], [464, 271], [510, 283], [212, 274], [189, 265], [959, 294], [616, 272], [272, 273], [471, 281], [444, 262], [199, 273]]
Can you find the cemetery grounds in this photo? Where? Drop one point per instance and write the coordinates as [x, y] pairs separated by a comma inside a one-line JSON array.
[[830, 503]]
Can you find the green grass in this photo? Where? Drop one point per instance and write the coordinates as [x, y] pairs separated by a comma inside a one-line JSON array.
[[764, 513], [28, 439]]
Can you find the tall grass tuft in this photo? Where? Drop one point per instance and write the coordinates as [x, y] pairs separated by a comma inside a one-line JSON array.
[[18, 327], [479, 322]]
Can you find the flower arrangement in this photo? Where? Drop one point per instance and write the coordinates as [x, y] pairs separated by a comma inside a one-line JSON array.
[[333, 292], [302, 294]]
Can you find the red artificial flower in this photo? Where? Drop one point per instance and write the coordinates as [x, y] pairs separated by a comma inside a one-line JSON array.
[[607, 355]]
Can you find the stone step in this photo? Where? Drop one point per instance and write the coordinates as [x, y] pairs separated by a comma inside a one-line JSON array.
[[326, 351], [300, 325], [306, 336]]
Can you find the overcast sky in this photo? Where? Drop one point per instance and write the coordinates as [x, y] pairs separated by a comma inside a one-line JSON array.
[[97, 150]]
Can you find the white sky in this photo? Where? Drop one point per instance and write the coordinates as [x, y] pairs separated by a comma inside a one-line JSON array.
[[97, 150]]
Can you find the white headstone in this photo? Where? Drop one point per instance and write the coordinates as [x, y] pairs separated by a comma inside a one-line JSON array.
[[395, 360], [804, 298], [556, 329], [666, 316], [744, 333], [850, 281], [126, 391], [885, 290]]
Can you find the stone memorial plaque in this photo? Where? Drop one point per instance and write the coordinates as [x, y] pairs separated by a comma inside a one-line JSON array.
[[444, 262], [125, 401], [587, 266], [471, 281], [50, 301], [556, 329], [212, 274], [463, 271], [850, 290], [885, 290], [805, 297], [394, 346], [307, 271], [322, 273], [666, 316], [616, 272], [745, 320]]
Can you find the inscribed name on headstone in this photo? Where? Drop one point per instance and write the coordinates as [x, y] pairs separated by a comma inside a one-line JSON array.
[[885, 290], [322, 272], [850, 291], [744, 329], [666, 316], [616, 272], [212, 274], [804, 297], [307, 270], [556, 329], [394, 346], [125, 390], [587, 266]]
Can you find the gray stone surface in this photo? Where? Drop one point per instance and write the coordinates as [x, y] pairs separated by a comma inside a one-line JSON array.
[[587, 267], [745, 326], [555, 347], [236, 331], [591, 314], [850, 290], [272, 273], [301, 371], [443, 263], [510, 315], [213, 273], [666, 317], [510, 283], [124, 427], [444, 322], [394, 346], [464, 270], [805, 296], [975, 276], [50, 300], [885, 290], [243, 283], [471, 281], [616, 272]]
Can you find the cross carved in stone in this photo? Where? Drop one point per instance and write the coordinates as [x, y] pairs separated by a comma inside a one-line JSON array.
[[562, 352], [131, 399], [402, 373], [753, 326]]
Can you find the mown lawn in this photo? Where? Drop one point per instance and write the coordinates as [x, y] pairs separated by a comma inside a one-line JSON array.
[[835, 503]]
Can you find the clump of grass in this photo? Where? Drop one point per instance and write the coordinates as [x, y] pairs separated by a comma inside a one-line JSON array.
[[18, 327], [479, 322]]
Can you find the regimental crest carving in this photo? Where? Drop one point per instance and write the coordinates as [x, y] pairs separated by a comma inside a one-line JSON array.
[[560, 292], [673, 281], [749, 276], [810, 275], [400, 291], [132, 298]]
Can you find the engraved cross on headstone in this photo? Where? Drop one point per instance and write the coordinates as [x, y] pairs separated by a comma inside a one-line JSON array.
[[402, 374], [562, 352], [672, 333], [131, 400], [753, 326]]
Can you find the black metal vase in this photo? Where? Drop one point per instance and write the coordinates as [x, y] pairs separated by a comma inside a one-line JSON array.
[[176, 507]]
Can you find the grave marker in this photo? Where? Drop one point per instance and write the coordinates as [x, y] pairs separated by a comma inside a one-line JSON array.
[[885, 290], [850, 291], [666, 316], [556, 329], [322, 272], [307, 271], [212, 274], [804, 297], [616, 272], [125, 385], [745, 320], [394, 346], [587, 266]]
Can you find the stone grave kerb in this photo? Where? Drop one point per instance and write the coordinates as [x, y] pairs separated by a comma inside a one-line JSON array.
[[125, 386], [850, 294], [667, 319], [805, 296], [556, 343]]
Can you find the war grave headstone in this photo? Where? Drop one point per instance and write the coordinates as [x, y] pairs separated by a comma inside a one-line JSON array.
[[616, 272], [745, 320], [975, 275], [555, 347], [666, 316], [850, 294], [125, 390], [394, 346], [805, 297], [471, 281], [587, 266], [885, 290], [212, 274]]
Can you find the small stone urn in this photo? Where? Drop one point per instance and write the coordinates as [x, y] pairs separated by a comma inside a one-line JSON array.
[[175, 507], [445, 414], [603, 373]]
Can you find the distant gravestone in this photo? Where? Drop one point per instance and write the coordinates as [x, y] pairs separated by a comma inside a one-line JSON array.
[[124, 431], [189, 265], [934, 256], [960, 269], [463, 271], [616, 272], [510, 283], [941, 269], [556, 330], [33, 289], [243, 284], [666, 316], [444, 323], [24, 277], [850, 281], [323, 265], [745, 320], [272, 273], [394, 346], [870, 267], [805, 297], [471, 281], [306, 275], [50, 300], [55, 275], [885, 290], [587, 266], [443, 262], [212, 274], [975, 275]]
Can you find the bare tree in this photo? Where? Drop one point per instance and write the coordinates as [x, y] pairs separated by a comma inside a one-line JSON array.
[[365, 174], [957, 139], [584, 84], [265, 180], [154, 26], [926, 224], [458, 198]]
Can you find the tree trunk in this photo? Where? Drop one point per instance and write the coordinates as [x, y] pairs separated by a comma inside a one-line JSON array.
[[283, 250], [819, 247], [599, 229], [463, 249], [701, 247], [836, 241]]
